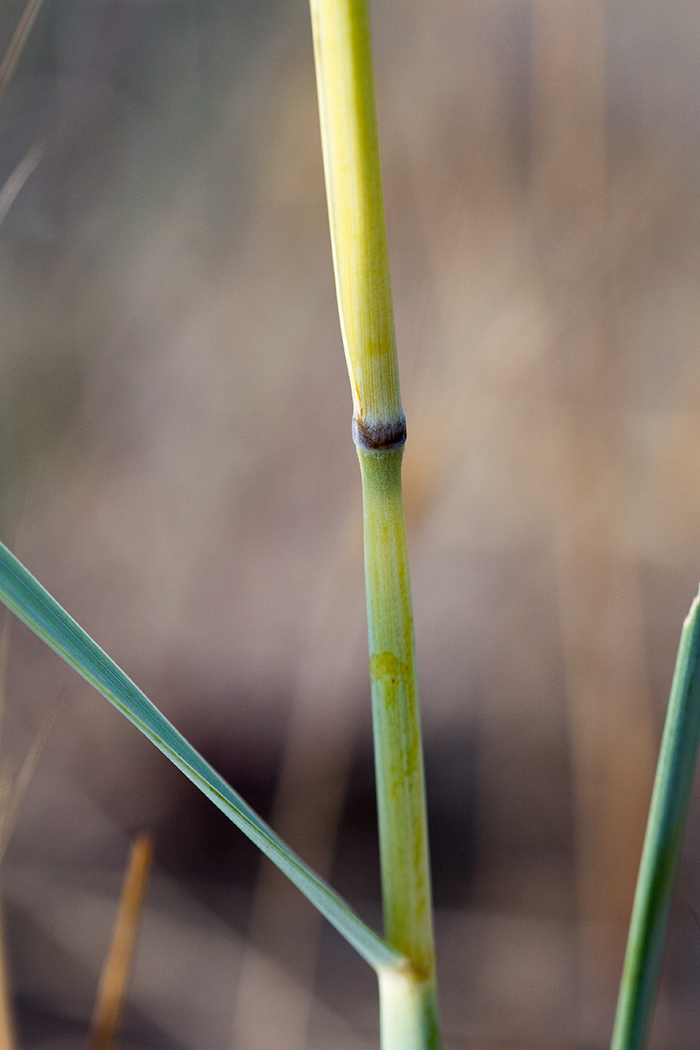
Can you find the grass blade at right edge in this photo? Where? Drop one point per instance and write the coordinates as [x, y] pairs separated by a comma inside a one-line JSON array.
[[662, 844], [32, 604]]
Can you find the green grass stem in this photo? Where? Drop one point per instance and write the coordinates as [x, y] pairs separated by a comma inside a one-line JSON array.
[[409, 1016], [662, 844], [342, 47], [400, 792]]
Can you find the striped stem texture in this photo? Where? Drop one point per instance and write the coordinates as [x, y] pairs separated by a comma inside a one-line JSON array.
[[342, 47]]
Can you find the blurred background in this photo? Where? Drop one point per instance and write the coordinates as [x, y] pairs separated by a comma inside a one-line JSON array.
[[176, 466]]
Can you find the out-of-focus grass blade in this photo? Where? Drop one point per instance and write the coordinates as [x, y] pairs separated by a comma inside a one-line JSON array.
[[12, 796], [32, 604], [669, 805], [19, 176], [7, 66], [8, 1038], [117, 968]]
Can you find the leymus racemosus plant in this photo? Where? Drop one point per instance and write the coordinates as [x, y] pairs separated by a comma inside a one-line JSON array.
[[404, 961], [344, 77]]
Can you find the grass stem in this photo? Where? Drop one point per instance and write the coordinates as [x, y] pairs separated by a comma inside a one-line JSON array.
[[343, 53], [395, 712], [349, 137]]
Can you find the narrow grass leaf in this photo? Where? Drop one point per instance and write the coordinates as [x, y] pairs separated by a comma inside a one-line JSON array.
[[664, 837], [32, 604]]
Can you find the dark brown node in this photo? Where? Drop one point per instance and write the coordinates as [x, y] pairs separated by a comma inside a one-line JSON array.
[[379, 437]]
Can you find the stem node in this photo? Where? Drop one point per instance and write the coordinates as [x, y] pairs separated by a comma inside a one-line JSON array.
[[379, 437]]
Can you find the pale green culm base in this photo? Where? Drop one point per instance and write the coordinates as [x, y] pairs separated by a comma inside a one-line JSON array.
[[408, 1011], [403, 831]]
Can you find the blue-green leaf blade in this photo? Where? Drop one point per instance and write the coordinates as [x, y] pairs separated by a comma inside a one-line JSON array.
[[662, 844], [32, 604]]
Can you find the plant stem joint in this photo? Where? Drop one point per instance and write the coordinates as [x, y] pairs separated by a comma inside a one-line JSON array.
[[379, 437]]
